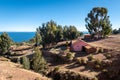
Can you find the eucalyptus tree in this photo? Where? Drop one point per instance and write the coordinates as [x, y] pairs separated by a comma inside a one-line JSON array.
[[106, 26], [98, 23]]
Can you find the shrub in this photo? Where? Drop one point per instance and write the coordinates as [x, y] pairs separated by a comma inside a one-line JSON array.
[[38, 63], [5, 43], [78, 61], [59, 59], [108, 56], [97, 62], [68, 75], [90, 57], [83, 61], [56, 68], [26, 62], [70, 56], [16, 53], [101, 50]]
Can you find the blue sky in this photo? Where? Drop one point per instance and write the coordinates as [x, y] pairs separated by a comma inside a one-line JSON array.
[[27, 15]]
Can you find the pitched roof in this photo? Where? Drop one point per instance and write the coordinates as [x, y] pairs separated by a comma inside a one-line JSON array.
[[79, 41]]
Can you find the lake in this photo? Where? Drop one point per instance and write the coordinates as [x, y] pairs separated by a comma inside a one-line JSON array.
[[25, 36], [21, 36]]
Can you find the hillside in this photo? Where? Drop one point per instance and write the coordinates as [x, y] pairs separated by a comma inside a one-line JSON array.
[[12, 71], [104, 64], [113, 42]]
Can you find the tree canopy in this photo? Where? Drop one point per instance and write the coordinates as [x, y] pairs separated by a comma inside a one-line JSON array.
[[98, 23], [5, 43], [52, 33], [115, 31], [38, 39]]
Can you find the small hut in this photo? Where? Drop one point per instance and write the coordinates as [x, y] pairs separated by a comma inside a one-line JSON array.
[[80, 45]]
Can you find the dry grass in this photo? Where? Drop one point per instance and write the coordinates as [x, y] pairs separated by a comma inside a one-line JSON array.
[[113, 42], [12, 71]]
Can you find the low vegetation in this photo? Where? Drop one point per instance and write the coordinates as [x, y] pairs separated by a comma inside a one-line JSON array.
[[5, 43], [115, 31], [69, 75], [38, 62], [70, 56], [26, 62]]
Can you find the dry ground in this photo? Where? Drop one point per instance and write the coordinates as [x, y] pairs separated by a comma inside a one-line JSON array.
[[113, 42], [12, 71]]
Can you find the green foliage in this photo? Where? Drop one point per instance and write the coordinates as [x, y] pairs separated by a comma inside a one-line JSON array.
[[90, 57], [38, 39], [68, 75], [115, 31], [108, 56], [83, 61], [48, 33], [70, 56], [78, 61], [97, 62], [5, 43], [25, 62], [98, 22], [59, 59], [101, 50], [56, 68], [52, 33], [70, 32], [38, 63], [32, 40]]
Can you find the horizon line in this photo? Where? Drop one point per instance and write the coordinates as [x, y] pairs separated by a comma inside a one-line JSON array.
[[17, 31]]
